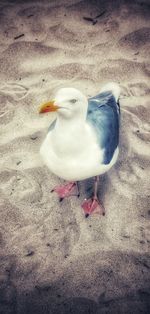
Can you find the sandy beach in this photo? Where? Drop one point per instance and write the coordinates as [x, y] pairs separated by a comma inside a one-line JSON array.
[[52, 259]]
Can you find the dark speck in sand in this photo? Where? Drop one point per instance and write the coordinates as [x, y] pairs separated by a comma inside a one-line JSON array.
[[30, 15], [142, 242], [18, 162], [33, 137], [90, 19], [99, 15], [126, 236], [94, 22], [19, 36], [30, 253]]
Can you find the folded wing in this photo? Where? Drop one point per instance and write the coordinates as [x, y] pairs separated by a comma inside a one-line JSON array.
[[103, 114]]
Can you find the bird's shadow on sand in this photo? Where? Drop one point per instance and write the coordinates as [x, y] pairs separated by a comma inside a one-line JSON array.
[[118, 284], [37, 302], [87, 187]]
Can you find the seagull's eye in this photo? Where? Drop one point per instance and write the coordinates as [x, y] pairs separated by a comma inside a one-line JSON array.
[[73, 101]]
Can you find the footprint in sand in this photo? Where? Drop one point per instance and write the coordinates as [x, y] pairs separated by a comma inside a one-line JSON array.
[[135, 89], [21, 187], [61, 230], [139, 233], [6, 110], [10, 93], [57, 223], [139, 89], [15, 91]]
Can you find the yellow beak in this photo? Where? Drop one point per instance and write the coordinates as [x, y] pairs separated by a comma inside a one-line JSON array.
[[49, 106]]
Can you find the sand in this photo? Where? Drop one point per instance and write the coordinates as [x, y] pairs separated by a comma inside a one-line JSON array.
[[52, 259]]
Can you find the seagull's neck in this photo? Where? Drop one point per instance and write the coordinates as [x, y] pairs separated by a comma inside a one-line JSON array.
[[69, 125], [67, 135]]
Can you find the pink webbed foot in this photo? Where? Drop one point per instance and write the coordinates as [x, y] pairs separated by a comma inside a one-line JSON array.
[[92, 206], [66, 190]]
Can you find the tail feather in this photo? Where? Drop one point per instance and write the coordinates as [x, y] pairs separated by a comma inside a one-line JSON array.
[[114, 88]]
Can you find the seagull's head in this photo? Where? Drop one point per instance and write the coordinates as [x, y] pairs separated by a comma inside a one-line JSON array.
[[68, 102]]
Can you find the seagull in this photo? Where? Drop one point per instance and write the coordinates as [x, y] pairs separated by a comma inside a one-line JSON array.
[[82, 142]]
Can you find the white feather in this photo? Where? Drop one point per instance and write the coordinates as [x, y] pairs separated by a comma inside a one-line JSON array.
[[113, 87]]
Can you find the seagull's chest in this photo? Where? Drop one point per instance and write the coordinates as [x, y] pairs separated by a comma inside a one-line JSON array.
[[70, 153], [73, 142]]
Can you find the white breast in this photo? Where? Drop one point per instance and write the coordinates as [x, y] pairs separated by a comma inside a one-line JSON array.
[[74, 155]]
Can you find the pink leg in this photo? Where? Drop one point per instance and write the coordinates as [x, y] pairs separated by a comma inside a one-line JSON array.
[[92, 205], [66, 190]]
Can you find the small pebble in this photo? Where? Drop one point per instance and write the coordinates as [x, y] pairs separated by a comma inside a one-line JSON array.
[[142, 242], [33, 137], [19, 36], [18, 162], [30, 253]]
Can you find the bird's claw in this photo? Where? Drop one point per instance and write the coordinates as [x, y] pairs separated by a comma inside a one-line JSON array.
[[92, 206], [65, 190]]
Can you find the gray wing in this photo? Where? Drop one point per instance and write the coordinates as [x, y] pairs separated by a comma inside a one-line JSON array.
[[52, 125], [103, 114]]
